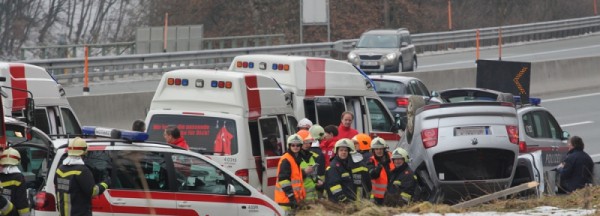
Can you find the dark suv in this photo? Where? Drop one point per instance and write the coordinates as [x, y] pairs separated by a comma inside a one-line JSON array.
[[381, 51]]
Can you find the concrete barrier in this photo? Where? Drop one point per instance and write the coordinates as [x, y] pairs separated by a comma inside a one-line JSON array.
[[120, 110]]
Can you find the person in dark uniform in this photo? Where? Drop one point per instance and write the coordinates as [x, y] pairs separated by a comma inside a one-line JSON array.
[[5, 206], [74, 182], [576, 170], [339, 182], [13, 182], [402, 181]]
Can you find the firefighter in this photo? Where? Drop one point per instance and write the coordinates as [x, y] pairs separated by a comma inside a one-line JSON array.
[[402, 181], [339, 181], [309, 159], [304, 124], [317, 132], [362, 142], [360, 174], [289, 189], [74, 182], [379, 166], [13, 182], [5, 206]]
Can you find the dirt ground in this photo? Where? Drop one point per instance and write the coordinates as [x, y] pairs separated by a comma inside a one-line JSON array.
[[587, 198]]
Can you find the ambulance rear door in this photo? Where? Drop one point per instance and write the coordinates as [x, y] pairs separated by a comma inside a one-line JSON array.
[[273, 146], [325, 110]]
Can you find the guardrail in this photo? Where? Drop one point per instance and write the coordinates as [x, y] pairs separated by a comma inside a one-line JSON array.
[[109, 68]]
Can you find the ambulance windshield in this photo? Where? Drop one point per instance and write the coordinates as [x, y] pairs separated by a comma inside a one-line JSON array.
[[206, 135]]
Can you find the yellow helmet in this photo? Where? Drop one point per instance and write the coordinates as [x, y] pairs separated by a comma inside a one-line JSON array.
[[77, 147], [400, 153], [295, 139], [378, 143], [317, 132], [10, 156], [345, 143]]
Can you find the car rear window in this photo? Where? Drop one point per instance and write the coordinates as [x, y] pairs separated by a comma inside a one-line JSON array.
[[203, 134], [389, 87]]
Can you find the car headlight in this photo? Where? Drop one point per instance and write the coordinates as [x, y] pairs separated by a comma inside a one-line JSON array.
[[352, 57], [391, 56]]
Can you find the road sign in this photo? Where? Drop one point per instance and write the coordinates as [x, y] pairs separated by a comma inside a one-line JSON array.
[[505, 76]]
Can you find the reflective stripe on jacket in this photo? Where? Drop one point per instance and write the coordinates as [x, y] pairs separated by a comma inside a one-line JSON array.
[[379, 185], [295, 181]]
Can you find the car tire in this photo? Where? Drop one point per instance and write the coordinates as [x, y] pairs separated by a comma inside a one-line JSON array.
[[414, 103]]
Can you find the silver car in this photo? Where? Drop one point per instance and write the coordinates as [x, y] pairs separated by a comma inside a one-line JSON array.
[[462, 150], [381, 51]]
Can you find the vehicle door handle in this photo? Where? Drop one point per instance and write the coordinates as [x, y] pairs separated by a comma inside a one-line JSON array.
[[184, 205], [119, 202]]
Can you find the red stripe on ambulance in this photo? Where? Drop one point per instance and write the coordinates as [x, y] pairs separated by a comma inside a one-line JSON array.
[[18, 81], [315, 77], [386, 136], [253, 94]]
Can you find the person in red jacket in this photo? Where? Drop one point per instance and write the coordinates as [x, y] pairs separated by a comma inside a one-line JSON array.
[[328, 142], [173, 136], [345, 129]]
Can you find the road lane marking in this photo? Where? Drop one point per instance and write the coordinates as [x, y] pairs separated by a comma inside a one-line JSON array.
[[576, 123], [572, 97]]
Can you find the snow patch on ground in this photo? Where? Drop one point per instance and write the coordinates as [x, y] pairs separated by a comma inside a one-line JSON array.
[[542, 210]]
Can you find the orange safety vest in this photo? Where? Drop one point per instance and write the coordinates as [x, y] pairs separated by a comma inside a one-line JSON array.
[[296, 181], [379, 185]]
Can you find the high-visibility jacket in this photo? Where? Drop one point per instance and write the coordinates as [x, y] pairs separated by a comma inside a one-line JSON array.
[[286, 186], [310, 180], [379, 184], [15, 190]]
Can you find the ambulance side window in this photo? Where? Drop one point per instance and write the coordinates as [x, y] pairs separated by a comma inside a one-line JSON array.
[[196, 175], [70, 122], [329, 110], [380, 120], [270, 132], [41, 120], [138, 170]]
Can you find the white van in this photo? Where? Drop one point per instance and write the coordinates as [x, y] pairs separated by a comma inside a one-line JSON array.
[[52, 113], [322, 89], [238, 120]]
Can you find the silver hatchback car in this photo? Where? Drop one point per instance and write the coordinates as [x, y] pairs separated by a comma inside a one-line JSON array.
[[381, 51]]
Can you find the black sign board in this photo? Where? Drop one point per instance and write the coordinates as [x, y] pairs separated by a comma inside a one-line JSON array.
[[505, 76]]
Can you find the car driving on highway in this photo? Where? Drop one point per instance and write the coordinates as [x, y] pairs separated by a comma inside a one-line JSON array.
[[385, 50]]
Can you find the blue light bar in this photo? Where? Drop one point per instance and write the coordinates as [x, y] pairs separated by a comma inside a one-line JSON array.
[[214, 84], [250, 64], [114, 133], [184, 82], [532, 100], [274, 67]]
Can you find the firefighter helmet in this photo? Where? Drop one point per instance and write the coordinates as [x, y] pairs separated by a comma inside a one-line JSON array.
[[295, 139], [305, 123], [77, 147], [378, 143], [317, 132], [400, 153], [10, 156], [345, 142], [363, 140]]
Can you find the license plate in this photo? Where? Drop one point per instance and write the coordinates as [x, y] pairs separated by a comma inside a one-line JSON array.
[[552, 158], [370, 63], [469, 131]]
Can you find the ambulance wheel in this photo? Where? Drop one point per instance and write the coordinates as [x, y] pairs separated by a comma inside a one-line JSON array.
[[414, 103]]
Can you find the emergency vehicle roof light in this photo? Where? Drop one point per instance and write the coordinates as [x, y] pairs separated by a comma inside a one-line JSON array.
[[114, 133], [532, 100]]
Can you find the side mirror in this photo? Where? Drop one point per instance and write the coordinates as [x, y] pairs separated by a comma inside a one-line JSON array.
[[404, 44], [29, 109], [435, 94], [400, 122], [230, 189], [566, 135], [353, 44]]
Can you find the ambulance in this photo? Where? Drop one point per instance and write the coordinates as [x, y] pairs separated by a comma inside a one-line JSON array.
[[20, 83], [322, 89], [238, 120]]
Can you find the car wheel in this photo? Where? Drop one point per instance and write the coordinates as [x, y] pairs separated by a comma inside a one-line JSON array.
[[414, 103], [400, 65]]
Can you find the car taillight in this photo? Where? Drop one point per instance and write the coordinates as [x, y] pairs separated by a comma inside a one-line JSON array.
[[429, 137], [522, 147], [513, 134], [243, 173], [44, 202], [402, 102]]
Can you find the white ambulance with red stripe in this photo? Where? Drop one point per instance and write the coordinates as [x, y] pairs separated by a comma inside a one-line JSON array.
[[152, 178], [52, 113], [238, 120], [323, 89]]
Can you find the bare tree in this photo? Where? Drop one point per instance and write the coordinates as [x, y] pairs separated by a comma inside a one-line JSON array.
[[54, 8]]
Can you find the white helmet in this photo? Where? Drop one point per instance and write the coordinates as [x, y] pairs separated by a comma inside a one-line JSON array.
[[10, 156], [77, 147], [305, 123], [400, 153]]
